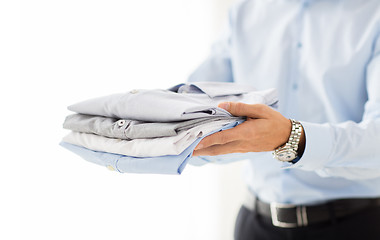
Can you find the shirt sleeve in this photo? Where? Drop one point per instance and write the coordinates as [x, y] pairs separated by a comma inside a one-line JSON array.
[[350, 150]]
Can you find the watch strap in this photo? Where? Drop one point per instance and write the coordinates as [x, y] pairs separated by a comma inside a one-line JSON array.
[[288, 152]]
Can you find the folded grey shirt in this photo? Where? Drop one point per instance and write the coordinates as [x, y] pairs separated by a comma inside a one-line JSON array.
[[132, 129], [179, 103]]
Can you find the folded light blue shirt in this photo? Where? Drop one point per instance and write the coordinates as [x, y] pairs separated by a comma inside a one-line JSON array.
[[169, 164]]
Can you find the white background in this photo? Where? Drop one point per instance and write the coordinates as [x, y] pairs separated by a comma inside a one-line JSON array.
[[67, 51]]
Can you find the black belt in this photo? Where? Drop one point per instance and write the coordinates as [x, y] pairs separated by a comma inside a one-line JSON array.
[[290, 216]]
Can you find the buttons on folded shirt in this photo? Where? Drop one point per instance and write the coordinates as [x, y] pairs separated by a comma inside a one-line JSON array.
[[134, 91], [121, 122], [109, 167]]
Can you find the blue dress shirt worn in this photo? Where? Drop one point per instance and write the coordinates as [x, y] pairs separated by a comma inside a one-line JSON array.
[[323, 57]]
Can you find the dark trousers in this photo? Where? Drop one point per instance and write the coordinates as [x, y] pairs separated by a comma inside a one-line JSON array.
[[364, 225]]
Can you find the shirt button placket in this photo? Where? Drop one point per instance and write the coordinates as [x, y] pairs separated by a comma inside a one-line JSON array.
[[298, 46]]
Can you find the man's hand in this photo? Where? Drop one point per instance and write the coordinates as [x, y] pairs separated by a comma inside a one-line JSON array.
[[264, 130]]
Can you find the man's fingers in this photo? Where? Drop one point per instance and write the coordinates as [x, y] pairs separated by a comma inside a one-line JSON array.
[[249, 110], [219, 149], [221, 137]]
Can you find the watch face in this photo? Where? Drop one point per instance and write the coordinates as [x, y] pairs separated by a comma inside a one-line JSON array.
[[286, 155]]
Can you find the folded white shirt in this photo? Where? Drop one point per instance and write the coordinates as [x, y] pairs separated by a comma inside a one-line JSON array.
[[153, 147], [167, 164]]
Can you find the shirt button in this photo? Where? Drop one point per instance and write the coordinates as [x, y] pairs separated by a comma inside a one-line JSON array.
[[121, 123], [134, 91], [299, 45], [295, 86], [109, 167]]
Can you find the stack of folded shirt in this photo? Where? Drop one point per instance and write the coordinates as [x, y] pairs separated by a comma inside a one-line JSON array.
[[154, 131]]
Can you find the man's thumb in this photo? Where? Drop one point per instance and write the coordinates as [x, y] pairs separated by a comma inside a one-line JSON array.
[[248, 110]]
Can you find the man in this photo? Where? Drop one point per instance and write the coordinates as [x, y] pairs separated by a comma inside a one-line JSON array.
[[323, 57]]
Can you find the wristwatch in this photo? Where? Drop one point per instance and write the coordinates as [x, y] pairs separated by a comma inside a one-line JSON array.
[[288, 152]]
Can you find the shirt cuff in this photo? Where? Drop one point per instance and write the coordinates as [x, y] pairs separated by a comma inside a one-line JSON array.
[[319, 144]]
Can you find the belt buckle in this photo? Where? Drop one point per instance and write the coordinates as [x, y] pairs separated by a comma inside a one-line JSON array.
[[300, 214]]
